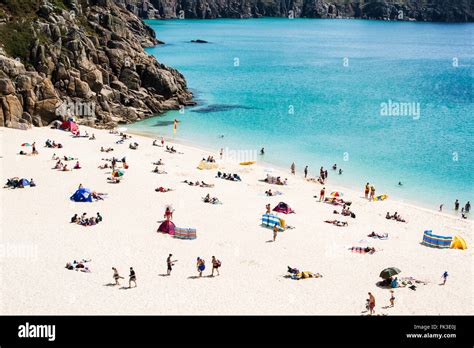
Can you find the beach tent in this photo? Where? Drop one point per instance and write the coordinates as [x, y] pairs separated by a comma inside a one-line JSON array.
[[459, 243], [82, 195], [185, 233], [269, 220], [435, 241], [284, 208], [167, 227], [69, 125]]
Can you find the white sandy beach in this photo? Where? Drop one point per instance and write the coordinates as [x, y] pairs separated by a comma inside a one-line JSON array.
[[36, 220]]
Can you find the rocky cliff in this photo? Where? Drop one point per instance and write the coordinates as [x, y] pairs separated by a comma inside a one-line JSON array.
[[83, 58], [420, 10]]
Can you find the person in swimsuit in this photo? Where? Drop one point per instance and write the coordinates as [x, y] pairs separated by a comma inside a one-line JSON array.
[[321, 194], [293, 168], [456, 205], [392, 298], [132, 278], [367, 190], [116, 276], [215, 266], [169, 263], [445, 277], [268, 207], [275, 231], [372, 193], [168, 214], [371, 303], [305, 172], [200, 266]]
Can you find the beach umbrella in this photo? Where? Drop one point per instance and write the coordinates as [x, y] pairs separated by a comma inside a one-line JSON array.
[[336, 194], [117, 173], [25, 144], [389, 272]]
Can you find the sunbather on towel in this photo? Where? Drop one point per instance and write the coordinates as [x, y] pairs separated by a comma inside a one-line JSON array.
[[162, 189], [362, 250], [379, 236], [337, 223]]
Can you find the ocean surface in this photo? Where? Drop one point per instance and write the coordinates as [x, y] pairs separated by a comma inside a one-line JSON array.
[[385, 101]]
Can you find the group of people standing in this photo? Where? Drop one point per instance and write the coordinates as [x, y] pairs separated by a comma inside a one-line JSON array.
[[369, 192]]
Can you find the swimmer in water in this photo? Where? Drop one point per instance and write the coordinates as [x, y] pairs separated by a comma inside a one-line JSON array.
[[400, 183], [262, 151]]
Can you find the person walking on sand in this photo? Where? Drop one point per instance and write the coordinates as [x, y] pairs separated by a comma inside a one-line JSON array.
[[215, 266], [305, 172], [372, 193], [170, 264], [275, 232], [293, 168], [467, 207], [116, 276], [201, 266], [321, 194], [456, 205], [371, 304], [367, 190], [132, 278], [392, 298], [445, 277]]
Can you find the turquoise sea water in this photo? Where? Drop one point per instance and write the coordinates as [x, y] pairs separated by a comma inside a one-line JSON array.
[[334, 75]]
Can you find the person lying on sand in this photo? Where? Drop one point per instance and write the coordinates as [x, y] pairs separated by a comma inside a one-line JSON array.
[[159, 163], [113, 180], [133, 146], [212, 200], [98, 196], [362, 250], [162, 189], [379, 236], [203, 184], [158, 171], [337, 223], [68, 158], [92, 137], [104, 166]]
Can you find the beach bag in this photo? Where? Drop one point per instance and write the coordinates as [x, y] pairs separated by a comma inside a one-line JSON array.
[[219, 263]]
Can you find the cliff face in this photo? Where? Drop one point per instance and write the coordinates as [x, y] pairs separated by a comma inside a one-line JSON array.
[[83, 58], [420, 10]]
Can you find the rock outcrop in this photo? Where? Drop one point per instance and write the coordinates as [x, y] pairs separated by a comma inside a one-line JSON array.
[[419, 10], [84, 58]]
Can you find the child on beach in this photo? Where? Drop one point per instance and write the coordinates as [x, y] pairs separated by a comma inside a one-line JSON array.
[[392, 298]]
